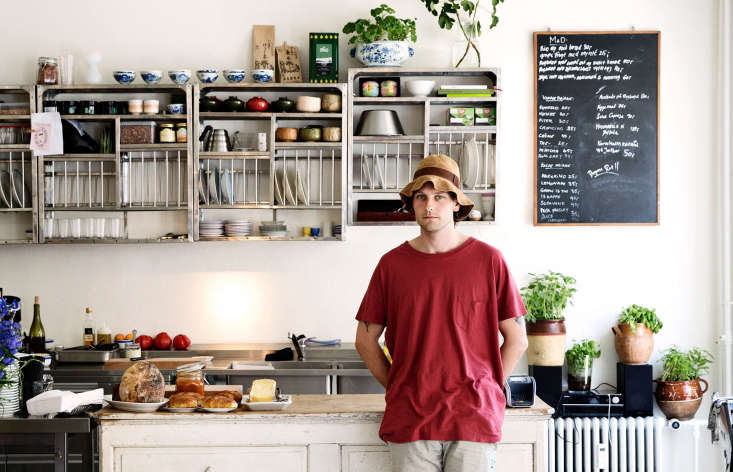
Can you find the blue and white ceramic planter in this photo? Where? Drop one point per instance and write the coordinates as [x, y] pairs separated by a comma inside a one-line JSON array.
[[383, 53], [207, 76], [179, 77], [151, 76], [262, 75], [234, 75], [124, 77]]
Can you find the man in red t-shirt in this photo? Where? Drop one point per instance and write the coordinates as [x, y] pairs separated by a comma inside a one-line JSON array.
[[443, 298]]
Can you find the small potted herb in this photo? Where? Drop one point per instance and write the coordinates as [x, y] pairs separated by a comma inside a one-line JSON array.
[[679, 393], [545, 298], [580, 364], [634, 334], [382, 40]]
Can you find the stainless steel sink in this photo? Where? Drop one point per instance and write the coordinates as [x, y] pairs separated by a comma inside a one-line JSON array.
[[351, 365], [302, 365]]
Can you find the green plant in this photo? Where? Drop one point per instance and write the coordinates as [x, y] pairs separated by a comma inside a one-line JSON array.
[[471, 29], [382, 25], [576, 355], [638, 314], [680, 365], [547, 295]]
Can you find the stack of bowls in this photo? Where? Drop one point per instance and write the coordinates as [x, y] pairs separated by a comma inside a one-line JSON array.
[[10, 393], [211, 229], [274, 229], [337, 230], [241, 227]]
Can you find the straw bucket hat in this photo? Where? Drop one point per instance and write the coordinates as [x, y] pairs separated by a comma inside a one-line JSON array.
[[443, 172]]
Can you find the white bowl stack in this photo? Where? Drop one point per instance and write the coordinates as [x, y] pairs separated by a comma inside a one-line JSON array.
[[10, 393], [241, 227], [211, 229]]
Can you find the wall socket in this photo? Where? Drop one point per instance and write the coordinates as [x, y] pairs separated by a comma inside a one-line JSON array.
[[601, 458]]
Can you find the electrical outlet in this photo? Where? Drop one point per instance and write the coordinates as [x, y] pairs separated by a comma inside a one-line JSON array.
[[602, 455]]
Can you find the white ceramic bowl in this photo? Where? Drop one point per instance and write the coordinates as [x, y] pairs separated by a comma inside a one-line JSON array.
[[179, 76], [151, 76], [207, 76], [308, 104], [235, 75], [420, 87], [262, 75]]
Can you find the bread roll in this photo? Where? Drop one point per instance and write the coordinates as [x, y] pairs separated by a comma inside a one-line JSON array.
[[184, 400], [218, 401], [142, 383], [236, 396]]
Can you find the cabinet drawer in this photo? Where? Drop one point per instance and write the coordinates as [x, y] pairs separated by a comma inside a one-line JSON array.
[[366, 459], [515, 458], [212, 459]]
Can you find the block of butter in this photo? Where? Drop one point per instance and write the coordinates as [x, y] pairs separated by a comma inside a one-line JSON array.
[[262, 390]]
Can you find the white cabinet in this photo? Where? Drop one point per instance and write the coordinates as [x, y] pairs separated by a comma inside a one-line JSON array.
[[212, 459], [365, 459]]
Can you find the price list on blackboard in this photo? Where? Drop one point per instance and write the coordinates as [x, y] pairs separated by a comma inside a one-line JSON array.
[[596, 128]]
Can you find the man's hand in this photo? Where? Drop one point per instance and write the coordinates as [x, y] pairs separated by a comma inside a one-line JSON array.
[[515, 343], [367, 343]]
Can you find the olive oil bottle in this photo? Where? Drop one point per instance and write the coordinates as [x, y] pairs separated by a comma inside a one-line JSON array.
[[37, 333]]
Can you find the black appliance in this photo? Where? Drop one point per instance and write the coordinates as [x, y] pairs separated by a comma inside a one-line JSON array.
[[635, 383], [549, 382], [590, 403], [519, 391]]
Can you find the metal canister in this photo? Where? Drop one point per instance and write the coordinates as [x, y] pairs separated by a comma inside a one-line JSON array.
[[167, 133]]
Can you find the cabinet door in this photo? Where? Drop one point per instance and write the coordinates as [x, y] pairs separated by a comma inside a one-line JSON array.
[[212, 459], [366, 459], [515, 458]]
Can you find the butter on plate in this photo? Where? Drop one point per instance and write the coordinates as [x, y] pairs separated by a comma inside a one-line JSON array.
[[262, 390]]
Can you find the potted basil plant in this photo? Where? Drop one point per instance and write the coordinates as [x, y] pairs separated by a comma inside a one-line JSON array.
[[580, 364], [382, 40], [634, 334], [545, 298], [679, 393]]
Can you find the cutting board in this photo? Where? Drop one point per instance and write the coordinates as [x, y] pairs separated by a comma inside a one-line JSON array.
[[165, 363]]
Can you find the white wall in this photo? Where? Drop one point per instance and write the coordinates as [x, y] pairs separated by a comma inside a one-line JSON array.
[[256, 292]]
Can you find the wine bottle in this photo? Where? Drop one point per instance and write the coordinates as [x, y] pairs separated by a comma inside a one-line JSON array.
[[37, 333]]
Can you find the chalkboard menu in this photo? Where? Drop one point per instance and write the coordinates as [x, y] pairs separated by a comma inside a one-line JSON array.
[[596, 137]]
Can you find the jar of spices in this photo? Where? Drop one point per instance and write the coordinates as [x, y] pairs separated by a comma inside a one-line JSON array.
[[190, 378], [87, 107], [50, 105], [167, 133], [181, 133], [133, 350], [69, 107], [48, 71]]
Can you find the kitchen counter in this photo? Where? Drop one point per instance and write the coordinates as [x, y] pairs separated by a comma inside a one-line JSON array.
[[316, 433]]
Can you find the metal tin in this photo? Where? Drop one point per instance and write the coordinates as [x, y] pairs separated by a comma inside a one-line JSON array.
[[132, 350]]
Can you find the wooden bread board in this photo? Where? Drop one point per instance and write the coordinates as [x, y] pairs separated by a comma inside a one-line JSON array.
[[165, 363]]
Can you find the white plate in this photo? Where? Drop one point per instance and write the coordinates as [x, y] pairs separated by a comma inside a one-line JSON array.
[[213, 186], [134, 407], [20, 189], [179, 410], [301, 189], [470, 162], [226, 187], [282, 402], [278, 192], [218, 410], [5, 191], [378, 174], [366, 174], [287, 192]]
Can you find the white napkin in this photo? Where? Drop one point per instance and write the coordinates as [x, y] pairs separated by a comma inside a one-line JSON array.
[[57, 401]]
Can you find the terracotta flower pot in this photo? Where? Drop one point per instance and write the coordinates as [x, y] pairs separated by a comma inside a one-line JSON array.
[[546, 342], [633, 348], [680, 399]]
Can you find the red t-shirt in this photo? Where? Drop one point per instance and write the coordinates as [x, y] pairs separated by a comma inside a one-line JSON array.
[[441, 313]]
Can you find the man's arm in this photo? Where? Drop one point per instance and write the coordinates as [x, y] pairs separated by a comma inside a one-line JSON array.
[[367, 343], [515, 343]]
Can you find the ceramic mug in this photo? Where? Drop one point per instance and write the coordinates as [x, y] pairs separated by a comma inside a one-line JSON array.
[[135, 106], [370, 88], [306, 230], [315, 232]]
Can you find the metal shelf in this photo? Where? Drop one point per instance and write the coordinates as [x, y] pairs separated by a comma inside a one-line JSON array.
[[114, 241], [419, 139], [14, 117], [82, 157], [308, 116], [389, 100], [462, 129], [15, 147], [154, 147], [234, 155], [269, 238], [234, 115]]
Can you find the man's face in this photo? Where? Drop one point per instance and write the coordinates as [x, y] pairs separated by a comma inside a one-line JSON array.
[[433, 209]]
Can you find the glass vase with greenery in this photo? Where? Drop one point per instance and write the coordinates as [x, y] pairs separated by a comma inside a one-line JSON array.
[[547, 295], [580, 364], [635, 314]]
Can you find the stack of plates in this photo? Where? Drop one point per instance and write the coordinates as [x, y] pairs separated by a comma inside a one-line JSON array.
[[210, 229], [238, 227], [10, 393], [337, 230], [274, 229]]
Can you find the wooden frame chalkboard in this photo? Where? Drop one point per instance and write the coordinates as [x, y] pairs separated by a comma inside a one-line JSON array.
[[596, 128]]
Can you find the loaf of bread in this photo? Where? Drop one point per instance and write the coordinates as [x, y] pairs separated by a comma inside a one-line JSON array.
[[262, 390], [142, 383], [236, 396], [184, 400], [218, 401]]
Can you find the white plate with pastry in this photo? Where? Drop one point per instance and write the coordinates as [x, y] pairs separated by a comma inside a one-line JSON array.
[[217, 410], [134, 406], [282, 402], [179, 410]]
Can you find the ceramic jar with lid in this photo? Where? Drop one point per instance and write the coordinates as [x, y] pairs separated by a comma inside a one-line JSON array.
[[167, 133], [181, 133], [331, 103], [283, 105], [233, 104], [257, 104]]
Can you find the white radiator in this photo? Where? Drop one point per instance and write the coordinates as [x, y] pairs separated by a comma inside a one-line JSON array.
[[603, 445]]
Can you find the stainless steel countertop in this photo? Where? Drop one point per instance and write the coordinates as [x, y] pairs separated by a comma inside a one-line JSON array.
[[45, 426]]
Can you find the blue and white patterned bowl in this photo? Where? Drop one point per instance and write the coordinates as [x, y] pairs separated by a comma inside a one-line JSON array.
[[383, 53], [176, 108], [151, 76], [235, 75], [262, 75], [180, 76], [124, 76], [207, 76]]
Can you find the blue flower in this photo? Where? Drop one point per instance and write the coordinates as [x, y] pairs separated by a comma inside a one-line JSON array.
[[8, 360]]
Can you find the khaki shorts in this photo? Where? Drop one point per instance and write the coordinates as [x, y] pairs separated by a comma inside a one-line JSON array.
[[445, 456]]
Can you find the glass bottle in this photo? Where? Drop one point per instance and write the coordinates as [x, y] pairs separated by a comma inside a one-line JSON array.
[[190, 378], [37, 333], [88, 335]]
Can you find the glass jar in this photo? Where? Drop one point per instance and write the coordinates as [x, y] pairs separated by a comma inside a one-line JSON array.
[[50, 105], [167, 133], [87, 107], [190, 378], [69, 107], [133, 350], [48, 71], [181, 133]]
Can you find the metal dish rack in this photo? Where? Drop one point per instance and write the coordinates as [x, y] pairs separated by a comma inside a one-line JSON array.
[[18, 170], [380, 166], [128, 186], [300, 183]]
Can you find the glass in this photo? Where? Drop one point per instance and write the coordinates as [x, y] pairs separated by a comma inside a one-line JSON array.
[[75, 227], [63, 228], [580, 372], [112, 227], [190, 378], [99, 224], [67, 69], [48, 224]]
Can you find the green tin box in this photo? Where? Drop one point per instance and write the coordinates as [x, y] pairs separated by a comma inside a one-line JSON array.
[[485, 116], [460, 116], [324, 58]]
